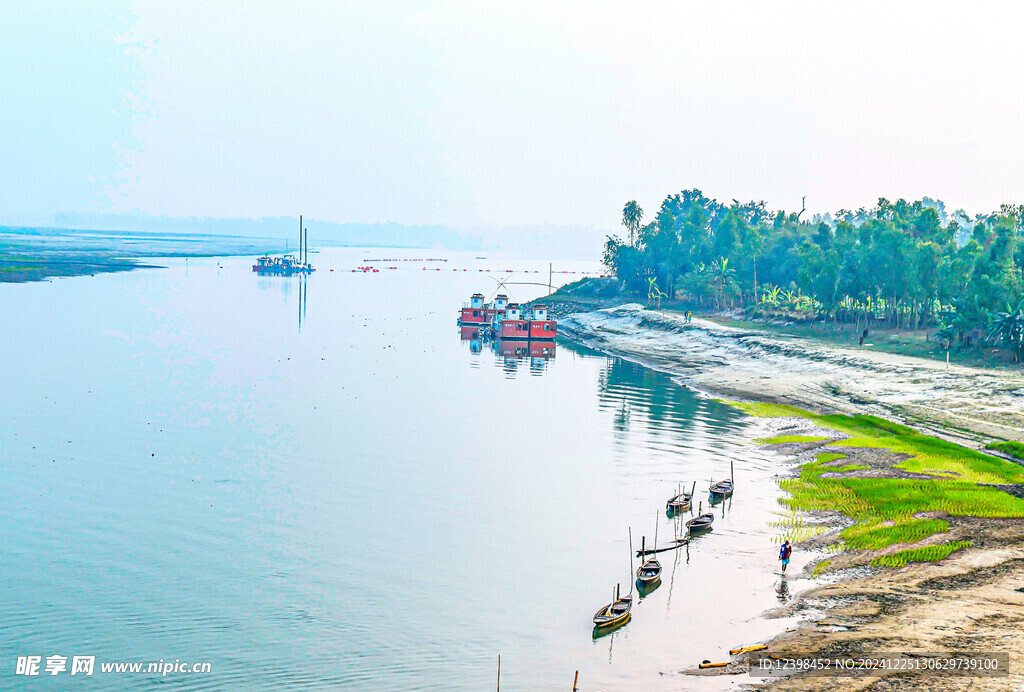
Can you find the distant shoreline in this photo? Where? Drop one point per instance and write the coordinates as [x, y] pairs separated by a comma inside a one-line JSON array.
[[26, 258]]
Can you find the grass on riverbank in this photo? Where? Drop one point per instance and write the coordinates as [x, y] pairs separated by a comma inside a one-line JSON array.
[[929, 553], [1014, 449], [883, 508]]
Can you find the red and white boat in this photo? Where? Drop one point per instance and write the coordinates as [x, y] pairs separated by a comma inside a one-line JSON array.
[[507, 320], [531, 325], [474, 314]]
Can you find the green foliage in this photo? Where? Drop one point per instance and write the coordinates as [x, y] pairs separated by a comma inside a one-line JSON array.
[[878, 536], [1014, 449], [820, 568], [825, 457], [900, 264], [930, 553]]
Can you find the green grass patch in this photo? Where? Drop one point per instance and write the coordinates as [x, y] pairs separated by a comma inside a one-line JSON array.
[[825, 457], [846, 468], [783, 439], [820, 568], [930, 553], [1014, 449], [884, 509], [877, 536]]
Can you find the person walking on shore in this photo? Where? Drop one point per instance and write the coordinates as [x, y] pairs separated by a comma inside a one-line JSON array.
[[784, 555]]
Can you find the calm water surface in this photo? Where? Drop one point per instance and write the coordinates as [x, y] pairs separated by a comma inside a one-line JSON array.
[[358, 501]]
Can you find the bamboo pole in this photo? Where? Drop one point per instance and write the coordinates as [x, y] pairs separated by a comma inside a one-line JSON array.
[[655, 532], [631, 559], [499, 673], [575, 681]]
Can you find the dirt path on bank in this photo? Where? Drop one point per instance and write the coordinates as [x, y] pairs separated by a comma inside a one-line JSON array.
[[971, 405]]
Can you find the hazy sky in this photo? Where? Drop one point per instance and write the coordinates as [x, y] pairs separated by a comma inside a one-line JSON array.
[[466, 113]]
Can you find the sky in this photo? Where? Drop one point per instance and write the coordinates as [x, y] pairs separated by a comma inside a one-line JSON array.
[[464, 114]]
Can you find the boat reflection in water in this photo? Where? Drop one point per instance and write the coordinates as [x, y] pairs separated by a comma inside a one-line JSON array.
[[510, 352], [473, 336]]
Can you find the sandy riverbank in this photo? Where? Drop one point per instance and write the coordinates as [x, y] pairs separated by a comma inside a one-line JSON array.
[[969, 404], [967, 602]]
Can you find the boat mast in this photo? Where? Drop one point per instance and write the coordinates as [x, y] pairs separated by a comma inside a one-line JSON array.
[[300, 237]]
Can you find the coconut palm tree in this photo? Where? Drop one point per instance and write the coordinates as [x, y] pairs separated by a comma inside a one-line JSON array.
[[1007, 329], [723, 278]]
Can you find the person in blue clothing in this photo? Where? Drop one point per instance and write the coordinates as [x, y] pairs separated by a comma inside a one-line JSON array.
[[784, 554]]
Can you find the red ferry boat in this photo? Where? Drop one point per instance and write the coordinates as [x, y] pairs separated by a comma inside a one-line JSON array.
[[506, 320], [512, 324]]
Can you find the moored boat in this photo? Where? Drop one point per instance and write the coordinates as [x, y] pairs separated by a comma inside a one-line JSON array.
[[681, 502], [474, 314], [513, 323], [721, 489], [615, 613], [700, 523], [649, 573]]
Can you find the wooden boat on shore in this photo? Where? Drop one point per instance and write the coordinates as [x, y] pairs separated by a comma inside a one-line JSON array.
[[615, 613], [701, 523], [682, 502]]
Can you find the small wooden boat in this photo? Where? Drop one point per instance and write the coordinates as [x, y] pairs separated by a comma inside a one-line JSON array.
[[615, 613], [649, 573], [721, 489], [700, 523], [681, 502]]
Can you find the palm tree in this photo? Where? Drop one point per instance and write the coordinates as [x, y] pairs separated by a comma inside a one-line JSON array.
[[632, 217], [1007, 328], [723, 277]]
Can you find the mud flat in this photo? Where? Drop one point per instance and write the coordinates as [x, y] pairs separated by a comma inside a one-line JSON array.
[[919, 541], [968, 404], [40, 254]]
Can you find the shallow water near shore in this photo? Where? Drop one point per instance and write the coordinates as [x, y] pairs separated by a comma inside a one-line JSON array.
[[319, 485]]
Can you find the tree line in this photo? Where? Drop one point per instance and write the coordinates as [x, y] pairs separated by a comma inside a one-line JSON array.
[[904, 265]]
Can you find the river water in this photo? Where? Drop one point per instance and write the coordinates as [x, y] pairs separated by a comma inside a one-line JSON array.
[[319, 485]]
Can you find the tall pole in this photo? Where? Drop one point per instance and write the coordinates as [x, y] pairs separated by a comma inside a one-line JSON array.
[[549, 278], [300, 237]]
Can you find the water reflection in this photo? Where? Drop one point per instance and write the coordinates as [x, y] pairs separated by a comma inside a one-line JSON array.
[[782, 590], [283, 285], [510, 353]]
